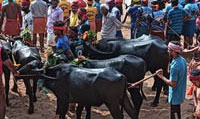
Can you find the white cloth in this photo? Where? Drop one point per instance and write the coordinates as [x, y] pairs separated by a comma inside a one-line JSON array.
[[109, 26], [27, 21], [51, 39]]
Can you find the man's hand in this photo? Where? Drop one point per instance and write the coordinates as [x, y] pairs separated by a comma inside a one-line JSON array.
[[159, 73]]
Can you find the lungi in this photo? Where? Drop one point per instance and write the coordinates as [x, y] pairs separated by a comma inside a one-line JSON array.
[[39, 25], [11, 27]]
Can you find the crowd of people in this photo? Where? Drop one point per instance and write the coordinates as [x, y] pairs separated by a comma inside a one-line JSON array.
[[62, 21]]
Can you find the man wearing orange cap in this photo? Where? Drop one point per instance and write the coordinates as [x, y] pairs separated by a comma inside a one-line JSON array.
[[91, 13], [157, 25], [66, 7], [12, 12], [117, 11]]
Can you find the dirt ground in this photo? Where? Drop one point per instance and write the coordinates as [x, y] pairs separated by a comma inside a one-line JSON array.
[[46, 105]]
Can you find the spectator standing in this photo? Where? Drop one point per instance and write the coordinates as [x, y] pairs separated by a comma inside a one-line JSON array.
[[84, 24], [157, 24], [132, 11], [97, 4], [38, 9], [117, 12], [174, 25], [142, 25], [177, 80], [66, 7], [91, 13], [73, 19], [27, 16], [13, 20], [109, 24], [55, 13], [189, 26]]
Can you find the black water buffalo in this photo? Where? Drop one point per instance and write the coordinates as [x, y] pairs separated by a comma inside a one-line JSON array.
[[23, 54], [90, 87], [132, 67], [151, 48]]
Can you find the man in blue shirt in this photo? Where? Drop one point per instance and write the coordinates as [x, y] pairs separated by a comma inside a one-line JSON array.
[[177, 80], [132, 11], [157, 16], [142, 25], [97, 4], [189, 26], [62, 45], [175, 19]]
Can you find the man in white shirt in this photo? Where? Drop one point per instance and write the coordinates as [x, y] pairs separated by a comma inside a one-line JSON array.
[[110, 23]]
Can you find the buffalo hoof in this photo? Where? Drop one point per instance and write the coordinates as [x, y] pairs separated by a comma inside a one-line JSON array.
[[31, 110], [34, 99], [154, 104]]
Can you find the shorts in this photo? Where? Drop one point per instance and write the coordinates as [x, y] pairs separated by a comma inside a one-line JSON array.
[[51, 39], [189, 28]]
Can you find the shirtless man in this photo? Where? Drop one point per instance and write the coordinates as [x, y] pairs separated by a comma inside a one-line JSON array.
[[12, 12]]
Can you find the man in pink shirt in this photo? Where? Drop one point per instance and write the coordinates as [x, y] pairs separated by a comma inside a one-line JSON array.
[[55, 13]]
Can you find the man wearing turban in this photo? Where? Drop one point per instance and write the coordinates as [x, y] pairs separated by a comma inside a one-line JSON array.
[[177, 79]]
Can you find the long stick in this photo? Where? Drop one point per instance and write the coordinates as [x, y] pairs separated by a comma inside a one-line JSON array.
[[136, 83]]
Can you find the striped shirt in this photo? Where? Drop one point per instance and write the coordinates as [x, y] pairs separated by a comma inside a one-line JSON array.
[[176, 19]]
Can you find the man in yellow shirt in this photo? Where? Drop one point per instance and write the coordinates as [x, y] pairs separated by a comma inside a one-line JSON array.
[[91, 13], [73, 19], [66, 7]]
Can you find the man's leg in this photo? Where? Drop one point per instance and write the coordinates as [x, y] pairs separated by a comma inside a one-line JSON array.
[[34, 39], [41, 42], [2, 100], [175, 111]]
